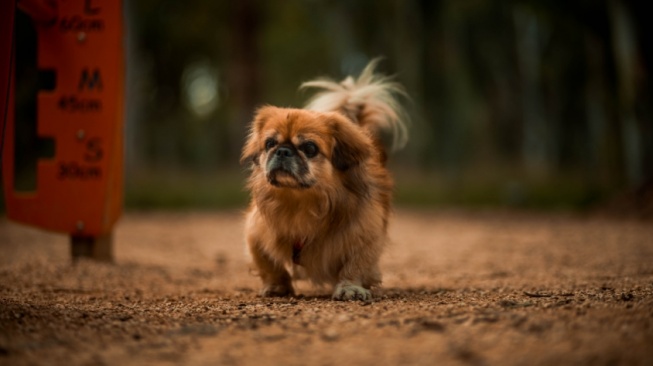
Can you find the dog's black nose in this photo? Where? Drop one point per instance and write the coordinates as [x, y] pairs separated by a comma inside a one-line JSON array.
[[284, 152]]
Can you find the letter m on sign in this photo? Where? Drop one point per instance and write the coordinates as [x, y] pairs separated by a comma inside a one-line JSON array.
[[90, 80]]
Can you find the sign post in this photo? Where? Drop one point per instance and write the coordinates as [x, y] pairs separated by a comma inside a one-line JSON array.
[[79, 189]]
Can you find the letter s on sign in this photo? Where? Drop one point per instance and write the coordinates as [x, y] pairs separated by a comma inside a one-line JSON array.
[[93, 150]]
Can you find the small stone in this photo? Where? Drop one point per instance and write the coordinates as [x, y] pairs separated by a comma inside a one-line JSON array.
[[627, 297], [330, 335], [432, 325]]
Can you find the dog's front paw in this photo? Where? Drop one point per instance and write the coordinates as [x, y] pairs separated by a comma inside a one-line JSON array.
[[277, 290], [348, 292]]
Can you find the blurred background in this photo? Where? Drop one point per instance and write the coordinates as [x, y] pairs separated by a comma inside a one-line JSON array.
[[532, 103]]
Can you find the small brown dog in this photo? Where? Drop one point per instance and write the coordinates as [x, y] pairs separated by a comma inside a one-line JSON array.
[[320, 190]]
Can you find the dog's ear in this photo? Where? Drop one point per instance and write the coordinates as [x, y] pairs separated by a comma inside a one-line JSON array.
[[352, 145], [252, 147]]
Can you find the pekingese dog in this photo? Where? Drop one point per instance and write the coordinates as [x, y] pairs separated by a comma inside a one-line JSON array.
[[319, 186]]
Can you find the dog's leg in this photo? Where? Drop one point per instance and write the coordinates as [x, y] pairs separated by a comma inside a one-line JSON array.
[[276, 280], [356, 278], [349, 290]]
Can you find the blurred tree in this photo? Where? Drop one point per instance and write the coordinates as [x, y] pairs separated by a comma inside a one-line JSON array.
[[520, 88]]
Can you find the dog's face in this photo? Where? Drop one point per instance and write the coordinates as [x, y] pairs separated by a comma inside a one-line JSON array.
[[300, 149]]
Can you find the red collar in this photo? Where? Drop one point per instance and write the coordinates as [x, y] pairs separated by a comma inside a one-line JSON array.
[[297, 251]]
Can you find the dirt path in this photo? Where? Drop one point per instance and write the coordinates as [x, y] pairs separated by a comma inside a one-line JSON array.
[[459, 288]]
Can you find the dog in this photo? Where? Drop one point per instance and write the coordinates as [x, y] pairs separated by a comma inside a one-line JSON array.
[[320, 189]]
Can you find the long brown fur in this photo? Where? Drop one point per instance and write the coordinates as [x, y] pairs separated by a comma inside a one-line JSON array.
[[335, 205]]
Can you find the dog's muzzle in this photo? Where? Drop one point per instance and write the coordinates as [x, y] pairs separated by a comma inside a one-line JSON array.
[[282, 161], [285, 166]]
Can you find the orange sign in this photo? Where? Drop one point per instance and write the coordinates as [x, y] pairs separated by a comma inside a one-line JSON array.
[[79, 190]]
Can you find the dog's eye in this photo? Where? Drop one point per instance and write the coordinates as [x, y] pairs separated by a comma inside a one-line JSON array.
[[270, 143], [309, 148]]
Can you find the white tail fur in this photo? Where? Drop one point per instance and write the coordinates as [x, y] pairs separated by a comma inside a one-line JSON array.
[[371, 101]]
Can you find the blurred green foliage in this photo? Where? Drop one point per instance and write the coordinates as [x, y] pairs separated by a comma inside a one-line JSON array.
[[537, 103]]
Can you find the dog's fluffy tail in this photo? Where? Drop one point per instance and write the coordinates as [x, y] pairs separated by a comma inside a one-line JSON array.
[[371, 100]]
